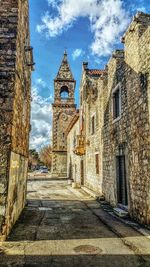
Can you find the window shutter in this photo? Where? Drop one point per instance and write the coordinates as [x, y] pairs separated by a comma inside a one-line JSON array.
[[93, 125], [97, 163], [116, 103]]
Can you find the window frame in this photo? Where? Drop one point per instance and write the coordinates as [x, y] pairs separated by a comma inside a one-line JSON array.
[[64, 89], [97, 164], [118, 87], [93, 129]]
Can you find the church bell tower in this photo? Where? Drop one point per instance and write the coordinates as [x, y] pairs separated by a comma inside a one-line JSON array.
[[64, 109]]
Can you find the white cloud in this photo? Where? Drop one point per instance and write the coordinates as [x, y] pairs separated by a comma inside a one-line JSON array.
[[141, 9], [54, 3], [138, 6], [107, 18], [41, 120], [39, 81], [51, 2], [77, 53]]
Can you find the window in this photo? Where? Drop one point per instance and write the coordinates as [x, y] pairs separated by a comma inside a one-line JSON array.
[[97, 163], [116, 102], [143, 80], [63, 137], [24, 112], [81, 99], [24, 103], [74, 140], [82, 124], [64, 92], [93, 125], [97, 118]]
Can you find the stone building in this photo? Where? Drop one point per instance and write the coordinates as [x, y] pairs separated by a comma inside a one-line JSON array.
[[126, 166], [15, 71], [113, 145], [91, 113], [64, 109], [73, 160], [85, 135]]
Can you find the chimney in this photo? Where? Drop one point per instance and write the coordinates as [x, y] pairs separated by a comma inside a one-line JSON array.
[[85, 66]]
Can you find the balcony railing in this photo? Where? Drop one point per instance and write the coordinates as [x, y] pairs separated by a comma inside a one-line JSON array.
[[80, 146]]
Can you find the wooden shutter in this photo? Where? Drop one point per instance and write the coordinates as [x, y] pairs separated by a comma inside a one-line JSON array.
[[97, 163], [116, 104], [121, 180], [93, 124]]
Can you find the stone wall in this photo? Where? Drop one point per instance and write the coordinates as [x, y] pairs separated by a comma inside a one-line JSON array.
[[114, 133], [131, 131], [73, 161], [139, 103], [62, 116], [7, 77], [122, 142], [91, 91], [14, 110]]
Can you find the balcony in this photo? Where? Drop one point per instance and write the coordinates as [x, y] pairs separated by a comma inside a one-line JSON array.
[[79, 149]]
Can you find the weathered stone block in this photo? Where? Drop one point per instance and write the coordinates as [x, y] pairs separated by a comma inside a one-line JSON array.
[[14, 129]]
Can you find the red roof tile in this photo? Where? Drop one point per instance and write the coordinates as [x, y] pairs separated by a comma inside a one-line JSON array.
[[95, 72]]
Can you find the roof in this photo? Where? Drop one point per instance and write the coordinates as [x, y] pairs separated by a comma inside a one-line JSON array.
[[73, 121], [95, 72], [64, 72], [140, 18]]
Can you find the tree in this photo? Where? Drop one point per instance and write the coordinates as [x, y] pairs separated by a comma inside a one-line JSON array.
[[45, 155], [33, 159]]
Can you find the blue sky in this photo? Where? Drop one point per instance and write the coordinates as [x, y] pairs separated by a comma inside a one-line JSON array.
[[89, 29]]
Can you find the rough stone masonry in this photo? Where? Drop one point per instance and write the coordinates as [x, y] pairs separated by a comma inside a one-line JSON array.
[[64, 110], [128, 135], [15, 71], [115, 113]]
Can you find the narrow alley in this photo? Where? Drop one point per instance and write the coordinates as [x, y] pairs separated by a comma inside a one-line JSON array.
[[74, 135], [60, 226]]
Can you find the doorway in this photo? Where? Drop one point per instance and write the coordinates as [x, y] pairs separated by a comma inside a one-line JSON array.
[[82, 171], [122, 196]]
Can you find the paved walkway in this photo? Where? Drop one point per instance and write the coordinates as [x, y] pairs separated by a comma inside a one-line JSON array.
[[61, 227]]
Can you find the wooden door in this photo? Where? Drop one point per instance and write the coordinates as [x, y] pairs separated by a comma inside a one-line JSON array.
[[82, 172], [121, 180]]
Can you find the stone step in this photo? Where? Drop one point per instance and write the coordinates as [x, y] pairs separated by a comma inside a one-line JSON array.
[[120, 212], [90, 192]]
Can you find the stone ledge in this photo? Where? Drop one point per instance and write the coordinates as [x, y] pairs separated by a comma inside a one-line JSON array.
[[91, 192], [120, 212]]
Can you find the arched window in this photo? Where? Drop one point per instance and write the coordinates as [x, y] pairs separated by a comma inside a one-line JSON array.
[[64, 92]]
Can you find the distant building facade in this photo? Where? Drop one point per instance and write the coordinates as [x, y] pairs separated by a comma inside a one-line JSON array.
[[64, 109], [73, 161], [91, 114], [15, 72]]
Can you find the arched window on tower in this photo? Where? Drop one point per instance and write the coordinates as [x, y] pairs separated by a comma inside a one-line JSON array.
[[64, 93]]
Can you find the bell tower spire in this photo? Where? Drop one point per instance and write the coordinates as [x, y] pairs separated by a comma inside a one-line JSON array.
[[64, 109], [65, 55], [65, 70]]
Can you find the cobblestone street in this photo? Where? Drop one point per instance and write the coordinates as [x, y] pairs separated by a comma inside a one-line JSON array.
[[61, 226]]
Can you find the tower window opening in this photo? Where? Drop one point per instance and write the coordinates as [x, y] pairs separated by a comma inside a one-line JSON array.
[[64, 93]]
